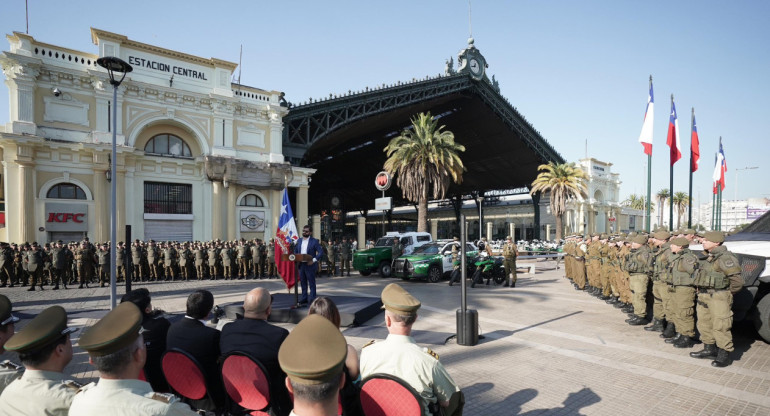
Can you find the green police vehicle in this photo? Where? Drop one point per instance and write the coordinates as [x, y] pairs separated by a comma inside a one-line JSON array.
[[380, 257], [430, 261]]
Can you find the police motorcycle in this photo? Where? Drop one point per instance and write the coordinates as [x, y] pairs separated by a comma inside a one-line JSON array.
[[489, 268]]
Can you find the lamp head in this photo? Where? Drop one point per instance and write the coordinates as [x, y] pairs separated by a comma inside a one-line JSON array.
[[113, 65]]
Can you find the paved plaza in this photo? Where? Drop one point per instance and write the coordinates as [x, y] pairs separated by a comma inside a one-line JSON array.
[[546, 348]]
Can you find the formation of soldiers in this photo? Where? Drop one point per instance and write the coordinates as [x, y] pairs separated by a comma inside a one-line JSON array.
[[83, 263], [338, 252], [683, 288]]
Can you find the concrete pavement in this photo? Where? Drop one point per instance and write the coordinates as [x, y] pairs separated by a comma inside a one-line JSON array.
[[546, 348]]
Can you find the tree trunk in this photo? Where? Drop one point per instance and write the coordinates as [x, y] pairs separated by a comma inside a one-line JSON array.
[[559, 226], [422, 213]]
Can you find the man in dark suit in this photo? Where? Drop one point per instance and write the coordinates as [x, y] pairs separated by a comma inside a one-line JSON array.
[[255, 336], [155, 327], [202, 342], [310, 246]]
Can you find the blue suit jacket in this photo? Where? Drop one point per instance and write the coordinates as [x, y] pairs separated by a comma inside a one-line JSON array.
[[313, 248]]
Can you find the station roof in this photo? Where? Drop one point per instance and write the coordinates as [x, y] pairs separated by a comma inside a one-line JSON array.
[[344, 137]]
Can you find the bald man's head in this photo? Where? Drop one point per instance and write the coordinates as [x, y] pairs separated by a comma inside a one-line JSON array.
[[256, 305]]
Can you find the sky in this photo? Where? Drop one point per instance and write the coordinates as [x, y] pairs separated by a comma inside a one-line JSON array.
[[577, 70]]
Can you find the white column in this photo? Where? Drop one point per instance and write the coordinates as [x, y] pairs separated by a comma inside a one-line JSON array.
[[512, 230], [434, 228], [216, 211], [316, 221], [302, 209], [489, 230], [361, 228]]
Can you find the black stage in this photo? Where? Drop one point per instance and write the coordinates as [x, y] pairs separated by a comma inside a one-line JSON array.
[[354, 310]]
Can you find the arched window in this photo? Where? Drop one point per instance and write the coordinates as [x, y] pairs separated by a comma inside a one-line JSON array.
[[251, 200], [168, 145], [66, 191]]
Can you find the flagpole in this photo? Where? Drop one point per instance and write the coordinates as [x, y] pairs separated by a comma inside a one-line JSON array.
[[713, 208], [671, 187], [689, 203], [648, 227]]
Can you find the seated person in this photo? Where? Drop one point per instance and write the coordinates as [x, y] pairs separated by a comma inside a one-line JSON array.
[[313, 357], [192, 335], [8, 370], [255, 336], [45, 348], [400, 356], [155, 327], [349, 395]]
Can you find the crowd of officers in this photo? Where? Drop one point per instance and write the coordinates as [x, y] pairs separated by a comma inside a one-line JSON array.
[[84, 263], [684, 287]]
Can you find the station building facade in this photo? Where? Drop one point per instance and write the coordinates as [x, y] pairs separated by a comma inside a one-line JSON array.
[[198, 156]]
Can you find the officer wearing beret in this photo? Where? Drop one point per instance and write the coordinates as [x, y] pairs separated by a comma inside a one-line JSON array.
[[116, 348], [8, 370], [399, 355], [660, 283], [718, 279], [45, 348], [313, 358], [639, 266], [683, 265]]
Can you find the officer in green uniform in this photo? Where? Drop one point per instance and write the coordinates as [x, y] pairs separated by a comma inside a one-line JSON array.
[[400, 356], [682, 265], [153, 261], [199, 254], [104, 265], [45, 348], [136, 258], [456, 263], [718, 279], [6, 265], [660, 287], [594, 265], [169, 261], [242, 256], [313, 358], [213, 256], [227, 261], [580, 262], [117, 350], [59, 257], [346, 252], [510, 252], [332, 257], [639, 266], [271, 270], [120, 262], [34, 262], [8, 370]]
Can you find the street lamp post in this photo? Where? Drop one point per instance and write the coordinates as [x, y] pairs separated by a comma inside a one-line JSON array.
[[114, 65], [481, 226]]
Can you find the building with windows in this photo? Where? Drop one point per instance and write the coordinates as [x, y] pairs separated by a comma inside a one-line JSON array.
[[734, 213], [198, 156]]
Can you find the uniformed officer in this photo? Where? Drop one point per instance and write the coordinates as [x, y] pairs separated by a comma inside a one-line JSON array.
[[34, 262], [346, 252], [510, 252], [6, 265], [255, 260], [242, 257], [185, 261], [261, 259], [169, 262], [226, 255], [59, 265], [581, 248], [120, 262], [682, 266], [136, 259], [104, 265], [45, 348], [313, 358], [718, 279], [84, 259], [8, 370], [332, 257], [594, 265], [456, 263], [639, 266], [660, 283], [116, 348], [271, 270], [153, 261], [399, 355], [213, 256]]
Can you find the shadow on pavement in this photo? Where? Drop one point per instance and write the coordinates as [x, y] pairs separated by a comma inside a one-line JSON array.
[[571, 405]]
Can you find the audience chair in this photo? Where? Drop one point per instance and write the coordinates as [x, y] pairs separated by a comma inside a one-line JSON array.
[[387, 395], [185, 376], [246, 383]]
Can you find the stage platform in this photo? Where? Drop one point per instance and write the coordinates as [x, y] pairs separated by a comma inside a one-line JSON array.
[[354, 310]]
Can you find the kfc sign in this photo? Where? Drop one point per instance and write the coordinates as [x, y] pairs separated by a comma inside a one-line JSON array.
[[65, 217], [382, 181]]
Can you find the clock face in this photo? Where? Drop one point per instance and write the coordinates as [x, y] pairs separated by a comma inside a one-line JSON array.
[[335, 201], [475, 66]]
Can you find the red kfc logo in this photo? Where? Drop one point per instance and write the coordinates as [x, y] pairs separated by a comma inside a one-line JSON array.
[[65, 217]]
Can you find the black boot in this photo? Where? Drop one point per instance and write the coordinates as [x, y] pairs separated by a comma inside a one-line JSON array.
[[708, 351], [657, 325], [669, 331], [674, 339], [628, 308], [619, 304], [637, 320], [684, 342], [722, 360], [612, 300]]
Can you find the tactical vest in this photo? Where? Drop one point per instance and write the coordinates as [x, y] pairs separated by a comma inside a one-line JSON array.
[[661, 270], [638, 261], [710, 275], [683, 268]]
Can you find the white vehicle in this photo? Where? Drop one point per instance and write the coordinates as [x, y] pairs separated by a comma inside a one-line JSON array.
[[410, 240]]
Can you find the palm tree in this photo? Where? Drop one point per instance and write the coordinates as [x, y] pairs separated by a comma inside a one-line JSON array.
[[662, 196], [564, 181], [681, 201], [637, 202], [424, 159]]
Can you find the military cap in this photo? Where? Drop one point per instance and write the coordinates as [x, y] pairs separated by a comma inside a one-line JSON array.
[[45, 328], [680, 241], [118, 329], [508, 237], [314, 352], [455, 239], [34, 244], [662, 235], [603, 236], [59, 242], [397, 300], [715, 236], [586, 237], [690, 231], [639, 239], [6, 317]]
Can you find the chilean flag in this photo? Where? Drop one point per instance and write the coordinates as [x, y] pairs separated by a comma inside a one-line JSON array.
[[645, 138], [673, 135], [285, 236], [720, 167], [694, 145]]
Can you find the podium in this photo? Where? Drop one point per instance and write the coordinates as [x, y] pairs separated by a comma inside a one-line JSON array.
[[297, 258]]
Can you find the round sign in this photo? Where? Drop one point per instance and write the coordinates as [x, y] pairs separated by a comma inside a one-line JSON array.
[[382, 181], [612, 219]]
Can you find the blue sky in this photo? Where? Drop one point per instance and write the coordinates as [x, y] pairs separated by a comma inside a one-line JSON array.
[[577, 70]]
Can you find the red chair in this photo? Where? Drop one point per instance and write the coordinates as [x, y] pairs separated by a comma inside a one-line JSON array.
[[142, 376], [386, 395], [246, 383], [184, 375]]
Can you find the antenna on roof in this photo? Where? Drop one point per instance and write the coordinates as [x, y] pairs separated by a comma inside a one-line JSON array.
[[26, 10], [240, 61], [470, 24]]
